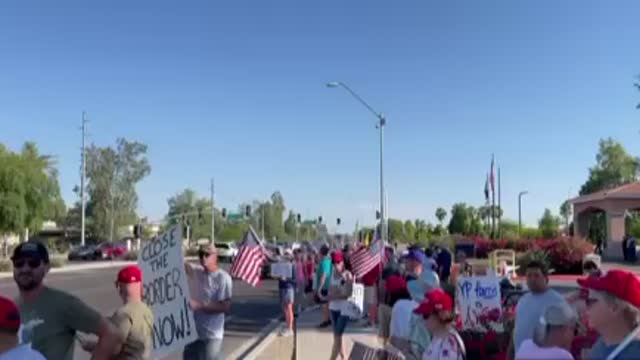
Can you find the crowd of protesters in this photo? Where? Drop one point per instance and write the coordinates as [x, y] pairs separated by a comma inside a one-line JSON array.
[[409, 298]]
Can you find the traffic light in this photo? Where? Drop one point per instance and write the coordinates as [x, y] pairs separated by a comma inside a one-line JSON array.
[[377, 215], [224, 213], [299, 219], [199, 214], [247, 211], [319, 219], [338, 221]]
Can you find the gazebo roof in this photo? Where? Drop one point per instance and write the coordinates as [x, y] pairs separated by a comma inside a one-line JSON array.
[[628, 191]]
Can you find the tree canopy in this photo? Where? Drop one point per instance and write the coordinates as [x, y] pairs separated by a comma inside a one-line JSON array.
[[614, 167], [549, 224], [112, 174], [29, 190]]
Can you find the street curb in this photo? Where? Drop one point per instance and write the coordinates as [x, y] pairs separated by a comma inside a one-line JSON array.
[[252, 347], [72, 268], [90, 266]]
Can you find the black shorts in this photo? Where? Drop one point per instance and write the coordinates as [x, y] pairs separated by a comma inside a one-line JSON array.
[[321, 301]]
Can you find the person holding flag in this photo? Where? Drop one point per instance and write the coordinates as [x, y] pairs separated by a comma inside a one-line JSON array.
[[210, 301]]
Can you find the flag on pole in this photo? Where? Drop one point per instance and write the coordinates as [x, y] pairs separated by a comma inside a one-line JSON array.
[[248, 263], [493, 177], [486, 189], [367, 258]]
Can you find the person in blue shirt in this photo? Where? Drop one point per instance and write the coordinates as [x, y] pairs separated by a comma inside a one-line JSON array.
[[323, 275]]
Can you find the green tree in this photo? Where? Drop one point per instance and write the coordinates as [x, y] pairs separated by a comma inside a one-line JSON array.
[[548, 224], [396, 229], [29, 190], [566, 212], [291, 224], [614, 167], [409, 231], [423, 230], [441, 214], [112, 174], [461, 219]]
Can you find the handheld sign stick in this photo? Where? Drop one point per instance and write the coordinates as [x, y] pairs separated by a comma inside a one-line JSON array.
[[627, 340]]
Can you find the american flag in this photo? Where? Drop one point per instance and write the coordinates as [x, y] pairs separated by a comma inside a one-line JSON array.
[[367, 258], [248, 263]]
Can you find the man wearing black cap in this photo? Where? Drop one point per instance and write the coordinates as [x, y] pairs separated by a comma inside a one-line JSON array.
[[50, 317]]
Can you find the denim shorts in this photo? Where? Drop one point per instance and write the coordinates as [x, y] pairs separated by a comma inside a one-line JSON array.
[[287, 296], [338, 322]]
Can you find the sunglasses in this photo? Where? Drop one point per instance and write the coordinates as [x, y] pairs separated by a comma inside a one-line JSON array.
[[205, 254], [32, 263]]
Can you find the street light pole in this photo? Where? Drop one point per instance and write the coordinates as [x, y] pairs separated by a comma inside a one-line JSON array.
[[83, 176], [382, 121], [213, 211], [522, 193]]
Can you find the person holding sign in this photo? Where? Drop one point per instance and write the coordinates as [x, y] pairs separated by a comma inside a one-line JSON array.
[[437, 311], [50, 317], [340, 289], [613, 304], [210, 301], [134, 319]]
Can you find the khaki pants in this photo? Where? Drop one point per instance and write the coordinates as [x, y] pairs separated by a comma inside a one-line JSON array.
[[384, 320]]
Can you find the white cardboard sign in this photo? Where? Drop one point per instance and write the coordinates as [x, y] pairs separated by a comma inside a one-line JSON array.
[[166, 292], [476, 296], [282, 270], [354, 307]]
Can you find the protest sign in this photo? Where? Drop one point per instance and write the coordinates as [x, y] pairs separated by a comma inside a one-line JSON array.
[[166, 292], [478, 301], [355, 304], [282, 270]]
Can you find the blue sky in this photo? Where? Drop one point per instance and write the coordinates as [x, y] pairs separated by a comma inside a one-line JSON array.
[[236, 90]]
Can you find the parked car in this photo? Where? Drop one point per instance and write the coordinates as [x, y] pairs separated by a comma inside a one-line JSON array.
[[110, 251], [226, 251], [86, 252]]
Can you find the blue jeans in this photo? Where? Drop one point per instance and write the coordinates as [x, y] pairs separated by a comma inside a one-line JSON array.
[[203, 349], [339, 322]]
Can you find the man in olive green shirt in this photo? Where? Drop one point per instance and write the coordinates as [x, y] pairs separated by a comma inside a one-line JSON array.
[[134, 319], [50, 317]]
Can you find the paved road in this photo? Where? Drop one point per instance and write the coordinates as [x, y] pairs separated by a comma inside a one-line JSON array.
[[252, 308]]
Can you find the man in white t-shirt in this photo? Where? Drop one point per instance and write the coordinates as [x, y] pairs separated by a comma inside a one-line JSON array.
[[9, 326], [210, 301]]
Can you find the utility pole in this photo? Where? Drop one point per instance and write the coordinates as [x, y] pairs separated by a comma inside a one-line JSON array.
[[83, 175], [213, 218]]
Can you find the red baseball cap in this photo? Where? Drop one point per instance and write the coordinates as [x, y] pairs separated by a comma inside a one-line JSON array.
[[337, 257], [130, 274], [435, 299], [395, 283], [620, 283], [9, 315]]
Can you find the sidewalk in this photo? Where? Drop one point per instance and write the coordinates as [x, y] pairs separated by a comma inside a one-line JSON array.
[[315, 344]]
